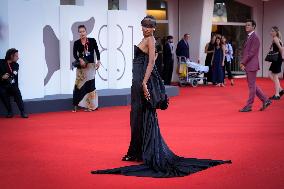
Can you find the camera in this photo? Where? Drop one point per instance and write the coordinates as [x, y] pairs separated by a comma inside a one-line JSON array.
[[11, 79]]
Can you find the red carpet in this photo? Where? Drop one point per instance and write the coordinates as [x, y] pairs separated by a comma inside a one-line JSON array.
[[58, 150]]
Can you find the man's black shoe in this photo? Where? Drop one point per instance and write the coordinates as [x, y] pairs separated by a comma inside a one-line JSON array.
[[245, 109], [265, 105]]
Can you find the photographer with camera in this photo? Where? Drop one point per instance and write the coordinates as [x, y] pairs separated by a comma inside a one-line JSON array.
[[9, 82], [84, 93]]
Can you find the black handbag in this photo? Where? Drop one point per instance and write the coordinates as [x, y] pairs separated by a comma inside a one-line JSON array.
[[272, 56], [158, 97]]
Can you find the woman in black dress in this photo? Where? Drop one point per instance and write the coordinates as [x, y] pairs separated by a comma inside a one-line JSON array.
[[275, 68], [84, 94], [218, 63], [158, 159], [209, 50]]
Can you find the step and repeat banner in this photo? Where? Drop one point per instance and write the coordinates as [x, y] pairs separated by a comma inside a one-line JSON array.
[[44, 33]]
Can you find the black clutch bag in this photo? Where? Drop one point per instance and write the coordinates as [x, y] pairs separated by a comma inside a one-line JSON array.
[[272, 56], [158, 97]]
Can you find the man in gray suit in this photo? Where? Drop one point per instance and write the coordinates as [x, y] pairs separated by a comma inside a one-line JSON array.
[[250, 64]]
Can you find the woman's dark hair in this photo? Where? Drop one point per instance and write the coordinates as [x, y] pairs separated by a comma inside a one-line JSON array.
[[252, 22], [212, 40], [216, 41], [82, 26], [149, 22], [11, 52]]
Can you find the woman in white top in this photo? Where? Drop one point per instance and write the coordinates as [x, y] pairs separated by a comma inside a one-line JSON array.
[[228, 59]]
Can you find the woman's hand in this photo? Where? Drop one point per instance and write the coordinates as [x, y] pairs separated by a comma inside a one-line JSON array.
[[282, 53], [146, 92], [82, 63], [5, 76], [242, 67], [98, 64]]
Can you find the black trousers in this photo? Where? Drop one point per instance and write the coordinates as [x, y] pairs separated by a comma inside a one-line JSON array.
[[228, 69], [11, 90], [168, 72]]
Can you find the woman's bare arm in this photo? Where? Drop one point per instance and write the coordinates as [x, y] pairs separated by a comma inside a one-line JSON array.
[[206, 49], [277, 42], [224, 54], [281, 48], [151, 63]]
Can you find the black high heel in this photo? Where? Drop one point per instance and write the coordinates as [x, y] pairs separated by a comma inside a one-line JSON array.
[[281, 93], [274, 97]]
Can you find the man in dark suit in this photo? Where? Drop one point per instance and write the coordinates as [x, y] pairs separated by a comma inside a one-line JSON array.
[[250, 64], [168, 57], [9, 82], [183, 47]]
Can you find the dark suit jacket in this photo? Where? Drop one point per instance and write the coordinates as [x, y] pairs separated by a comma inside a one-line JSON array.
[[167, 52], [4, 68], [250, 53], [182, 49]]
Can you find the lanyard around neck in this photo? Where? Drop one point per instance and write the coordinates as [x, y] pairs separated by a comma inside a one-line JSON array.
[[10, 67], [86, 45]]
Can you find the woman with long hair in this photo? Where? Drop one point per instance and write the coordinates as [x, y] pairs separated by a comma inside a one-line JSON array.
[[228, 59], [84, 94], [147, 144], [209, 50], [218, 63], [275, 67]]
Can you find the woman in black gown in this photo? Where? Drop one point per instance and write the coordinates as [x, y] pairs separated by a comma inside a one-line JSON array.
[[209, 50], [275, 67], [147, 141]]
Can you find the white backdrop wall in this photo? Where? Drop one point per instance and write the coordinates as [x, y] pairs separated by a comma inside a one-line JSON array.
[[4, 32], [190, 22], [43, 31], [173, 16], [51, 18], [25, 34], [121, 46]]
